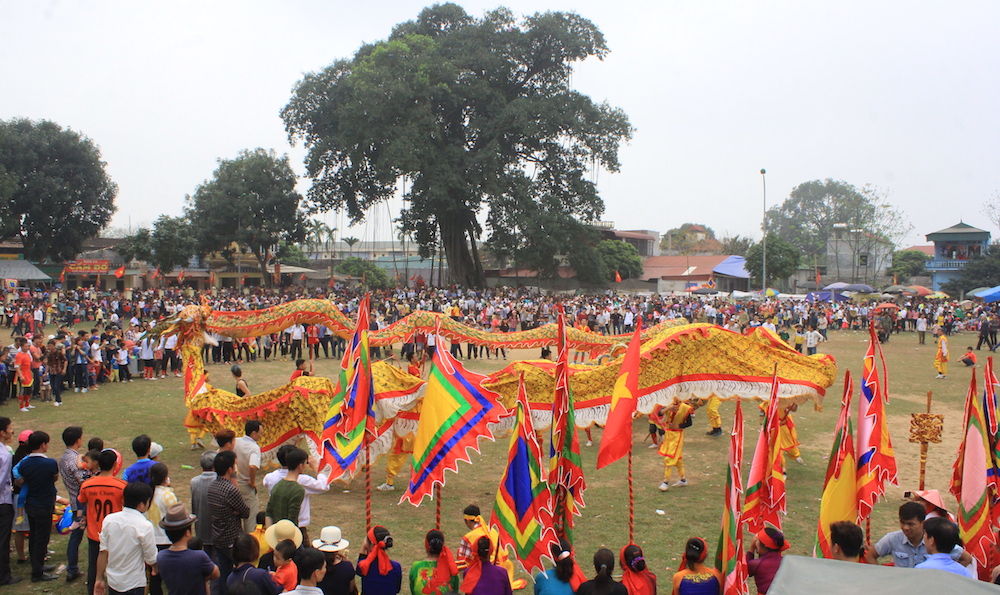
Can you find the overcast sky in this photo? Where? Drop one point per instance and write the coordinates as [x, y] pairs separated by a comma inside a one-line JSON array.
[[899, 94]]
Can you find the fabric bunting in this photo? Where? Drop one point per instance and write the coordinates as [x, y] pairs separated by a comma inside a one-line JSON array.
[[522, 514], [840, 488], [765, 495], [730, 559], [565, 467], [990, 410], [876, 458], [970, 480], [616, 441], [351, 412], [456, 414]]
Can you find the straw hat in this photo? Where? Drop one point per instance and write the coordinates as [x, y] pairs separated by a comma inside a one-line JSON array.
[[931, 496], [330, 540], [282, 530]]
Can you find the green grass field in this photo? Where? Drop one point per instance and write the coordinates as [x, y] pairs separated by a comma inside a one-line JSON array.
[[118, 412]]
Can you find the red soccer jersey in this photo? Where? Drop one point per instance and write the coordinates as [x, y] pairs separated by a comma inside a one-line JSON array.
[[23, 361], [103, 495]]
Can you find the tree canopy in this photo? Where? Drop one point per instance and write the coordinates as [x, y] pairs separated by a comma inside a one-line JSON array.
[[54, 190], [171, 243], [622, 257], [806, 219], [908, 263], [474, 115], [249, 203], [690, 238], [374, 277], [782, 260], [136, 246]]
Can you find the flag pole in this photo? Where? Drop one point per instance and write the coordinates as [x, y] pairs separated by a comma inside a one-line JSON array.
[[631, 499], [437, 510], [368, 483]]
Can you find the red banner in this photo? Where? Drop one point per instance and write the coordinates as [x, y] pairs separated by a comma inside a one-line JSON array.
[[88, 267]]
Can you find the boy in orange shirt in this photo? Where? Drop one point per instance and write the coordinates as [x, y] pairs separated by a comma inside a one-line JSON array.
[[104, 493], [287, 574], [25, 378]]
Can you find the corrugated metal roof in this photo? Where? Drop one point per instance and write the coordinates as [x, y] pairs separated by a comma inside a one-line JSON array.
[[22, 270]]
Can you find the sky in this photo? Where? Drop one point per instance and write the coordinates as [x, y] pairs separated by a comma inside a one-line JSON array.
[[898, 94]]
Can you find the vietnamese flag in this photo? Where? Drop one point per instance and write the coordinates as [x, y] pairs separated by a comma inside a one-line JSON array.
[[303, 277], [120, 272], [156, 273], [332, 281], [211, 278], [618, 277], [243, 280], [62, 276], [180, 276], [616, 442]]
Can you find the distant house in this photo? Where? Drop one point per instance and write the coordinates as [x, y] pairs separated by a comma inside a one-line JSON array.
[[953, 247], [681, 273], [856, 256]]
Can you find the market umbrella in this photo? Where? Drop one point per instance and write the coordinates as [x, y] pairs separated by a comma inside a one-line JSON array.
[[835, 286], [860, 288], [939, 295], [921, 290], [769, 292], [981, 291], [705, 291], [897, 289], [886, 306]]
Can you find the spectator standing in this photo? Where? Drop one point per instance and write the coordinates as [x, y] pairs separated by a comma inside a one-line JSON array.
[[38, 474], [139, 471], [6, 501], [247, 464], [183, 570], [106, 492], [228, 508], [199, 501], [72, 476], [127, 544]]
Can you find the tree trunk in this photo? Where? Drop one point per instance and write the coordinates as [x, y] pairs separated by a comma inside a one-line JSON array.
[[462, 267]]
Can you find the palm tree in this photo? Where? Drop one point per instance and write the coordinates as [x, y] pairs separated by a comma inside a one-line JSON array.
[[330, 239], [316, 233], [350, 241]]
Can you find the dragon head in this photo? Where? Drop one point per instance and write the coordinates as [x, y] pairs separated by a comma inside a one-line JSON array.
[[188, 324]]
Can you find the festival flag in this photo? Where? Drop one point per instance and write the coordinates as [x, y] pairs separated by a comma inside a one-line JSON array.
[[243, 280], [332, 281], [990, 410], [617, 438], [351, 412], [211, 278], [180, 276], [729, 557], [62, 275], [457, 412], [818, 284], [303, 277], [277, 272], [565, 466], [618, 277], [970, 479], [522, 514], [120, 272], [876, 458], [156, 273], [840, 489], [10, 284], [765, 494]]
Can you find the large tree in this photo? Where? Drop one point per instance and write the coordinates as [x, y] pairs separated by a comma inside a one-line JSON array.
[[908, 263], [171, 243], [249, 203], [621, 257], [782, 260], [136, 246], [477, 114], [690, 238], [54, 190]]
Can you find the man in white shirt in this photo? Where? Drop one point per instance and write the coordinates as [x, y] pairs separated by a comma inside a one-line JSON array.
[[127, 544], [247, 464]]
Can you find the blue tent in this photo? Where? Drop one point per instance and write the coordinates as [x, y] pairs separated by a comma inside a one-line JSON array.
[[989, 295], [825, 296]]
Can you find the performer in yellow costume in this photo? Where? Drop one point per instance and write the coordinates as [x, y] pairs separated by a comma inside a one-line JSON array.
[[941, 357], [402, 450], [788, 438], [466, 550], [673, 419], [714, 419]]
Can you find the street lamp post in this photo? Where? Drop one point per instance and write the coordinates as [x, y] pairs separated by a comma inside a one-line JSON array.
[[763, 274]]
